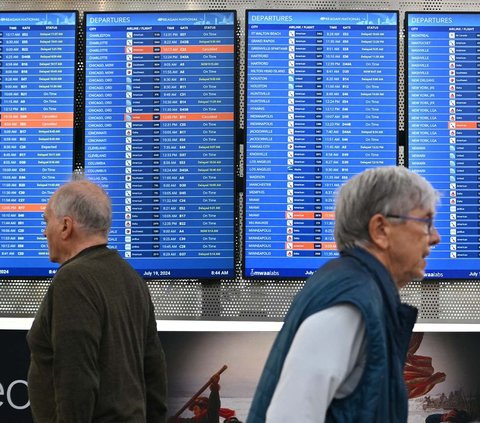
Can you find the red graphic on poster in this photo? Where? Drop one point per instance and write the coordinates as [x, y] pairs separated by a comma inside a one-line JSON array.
[[420, 376]]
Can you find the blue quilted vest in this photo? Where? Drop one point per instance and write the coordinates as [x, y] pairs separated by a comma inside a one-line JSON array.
[[358, 278]]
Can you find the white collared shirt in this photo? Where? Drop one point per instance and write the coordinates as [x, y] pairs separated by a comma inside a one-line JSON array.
[[325, 361]]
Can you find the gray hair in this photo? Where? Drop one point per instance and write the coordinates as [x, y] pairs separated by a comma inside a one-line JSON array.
[[87, 203], [384, 190]]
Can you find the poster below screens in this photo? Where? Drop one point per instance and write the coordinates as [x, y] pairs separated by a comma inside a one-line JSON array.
[[442, 373]]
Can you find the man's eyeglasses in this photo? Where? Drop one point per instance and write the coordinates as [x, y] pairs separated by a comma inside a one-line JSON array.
[[427, 220]]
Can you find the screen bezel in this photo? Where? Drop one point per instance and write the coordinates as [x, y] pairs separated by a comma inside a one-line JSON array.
[[47, 272], [406, 26], [244, 269], [236, 137]]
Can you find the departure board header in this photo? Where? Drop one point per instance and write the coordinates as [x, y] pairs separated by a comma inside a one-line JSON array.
[[49, 20], [312, 17], [160, 137], [443, 113], [321, 106], [163, 18], [415, 19], [37, 84]]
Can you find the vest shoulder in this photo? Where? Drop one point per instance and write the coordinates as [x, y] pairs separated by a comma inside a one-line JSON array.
[[343, 270]]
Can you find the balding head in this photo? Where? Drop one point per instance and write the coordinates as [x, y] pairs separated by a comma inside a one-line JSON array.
[[87, 203]]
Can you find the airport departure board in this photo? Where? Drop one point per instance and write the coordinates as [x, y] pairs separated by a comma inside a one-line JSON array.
[[443, 65], [37, 83], [160, 137], [321, 106]]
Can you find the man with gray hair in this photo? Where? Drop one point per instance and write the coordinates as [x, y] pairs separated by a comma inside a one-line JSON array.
[[95, 351], [340, 354]]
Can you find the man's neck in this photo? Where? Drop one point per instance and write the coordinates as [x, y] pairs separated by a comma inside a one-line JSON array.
[[383, 258], [80, 245]]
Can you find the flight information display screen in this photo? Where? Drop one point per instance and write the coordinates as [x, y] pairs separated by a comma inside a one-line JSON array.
[[37, 83], [321, 106], [160, 137], [443, 66]]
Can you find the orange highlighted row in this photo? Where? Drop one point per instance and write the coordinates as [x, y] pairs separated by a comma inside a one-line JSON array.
[[38, 124], [22, 207], [37, 120], [177, 116], [463, 125], [179, 49], [331, 246], [39, 115], [310, 215]]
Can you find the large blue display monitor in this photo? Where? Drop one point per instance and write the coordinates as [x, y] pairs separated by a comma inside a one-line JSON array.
[[160, 137], [321, 106], [443, 66], [37, 85]]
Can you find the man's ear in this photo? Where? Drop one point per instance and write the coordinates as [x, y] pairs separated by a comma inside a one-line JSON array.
[[379, 230], [67, 227]]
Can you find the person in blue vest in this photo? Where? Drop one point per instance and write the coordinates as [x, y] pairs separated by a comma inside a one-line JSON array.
[[340, 354]]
